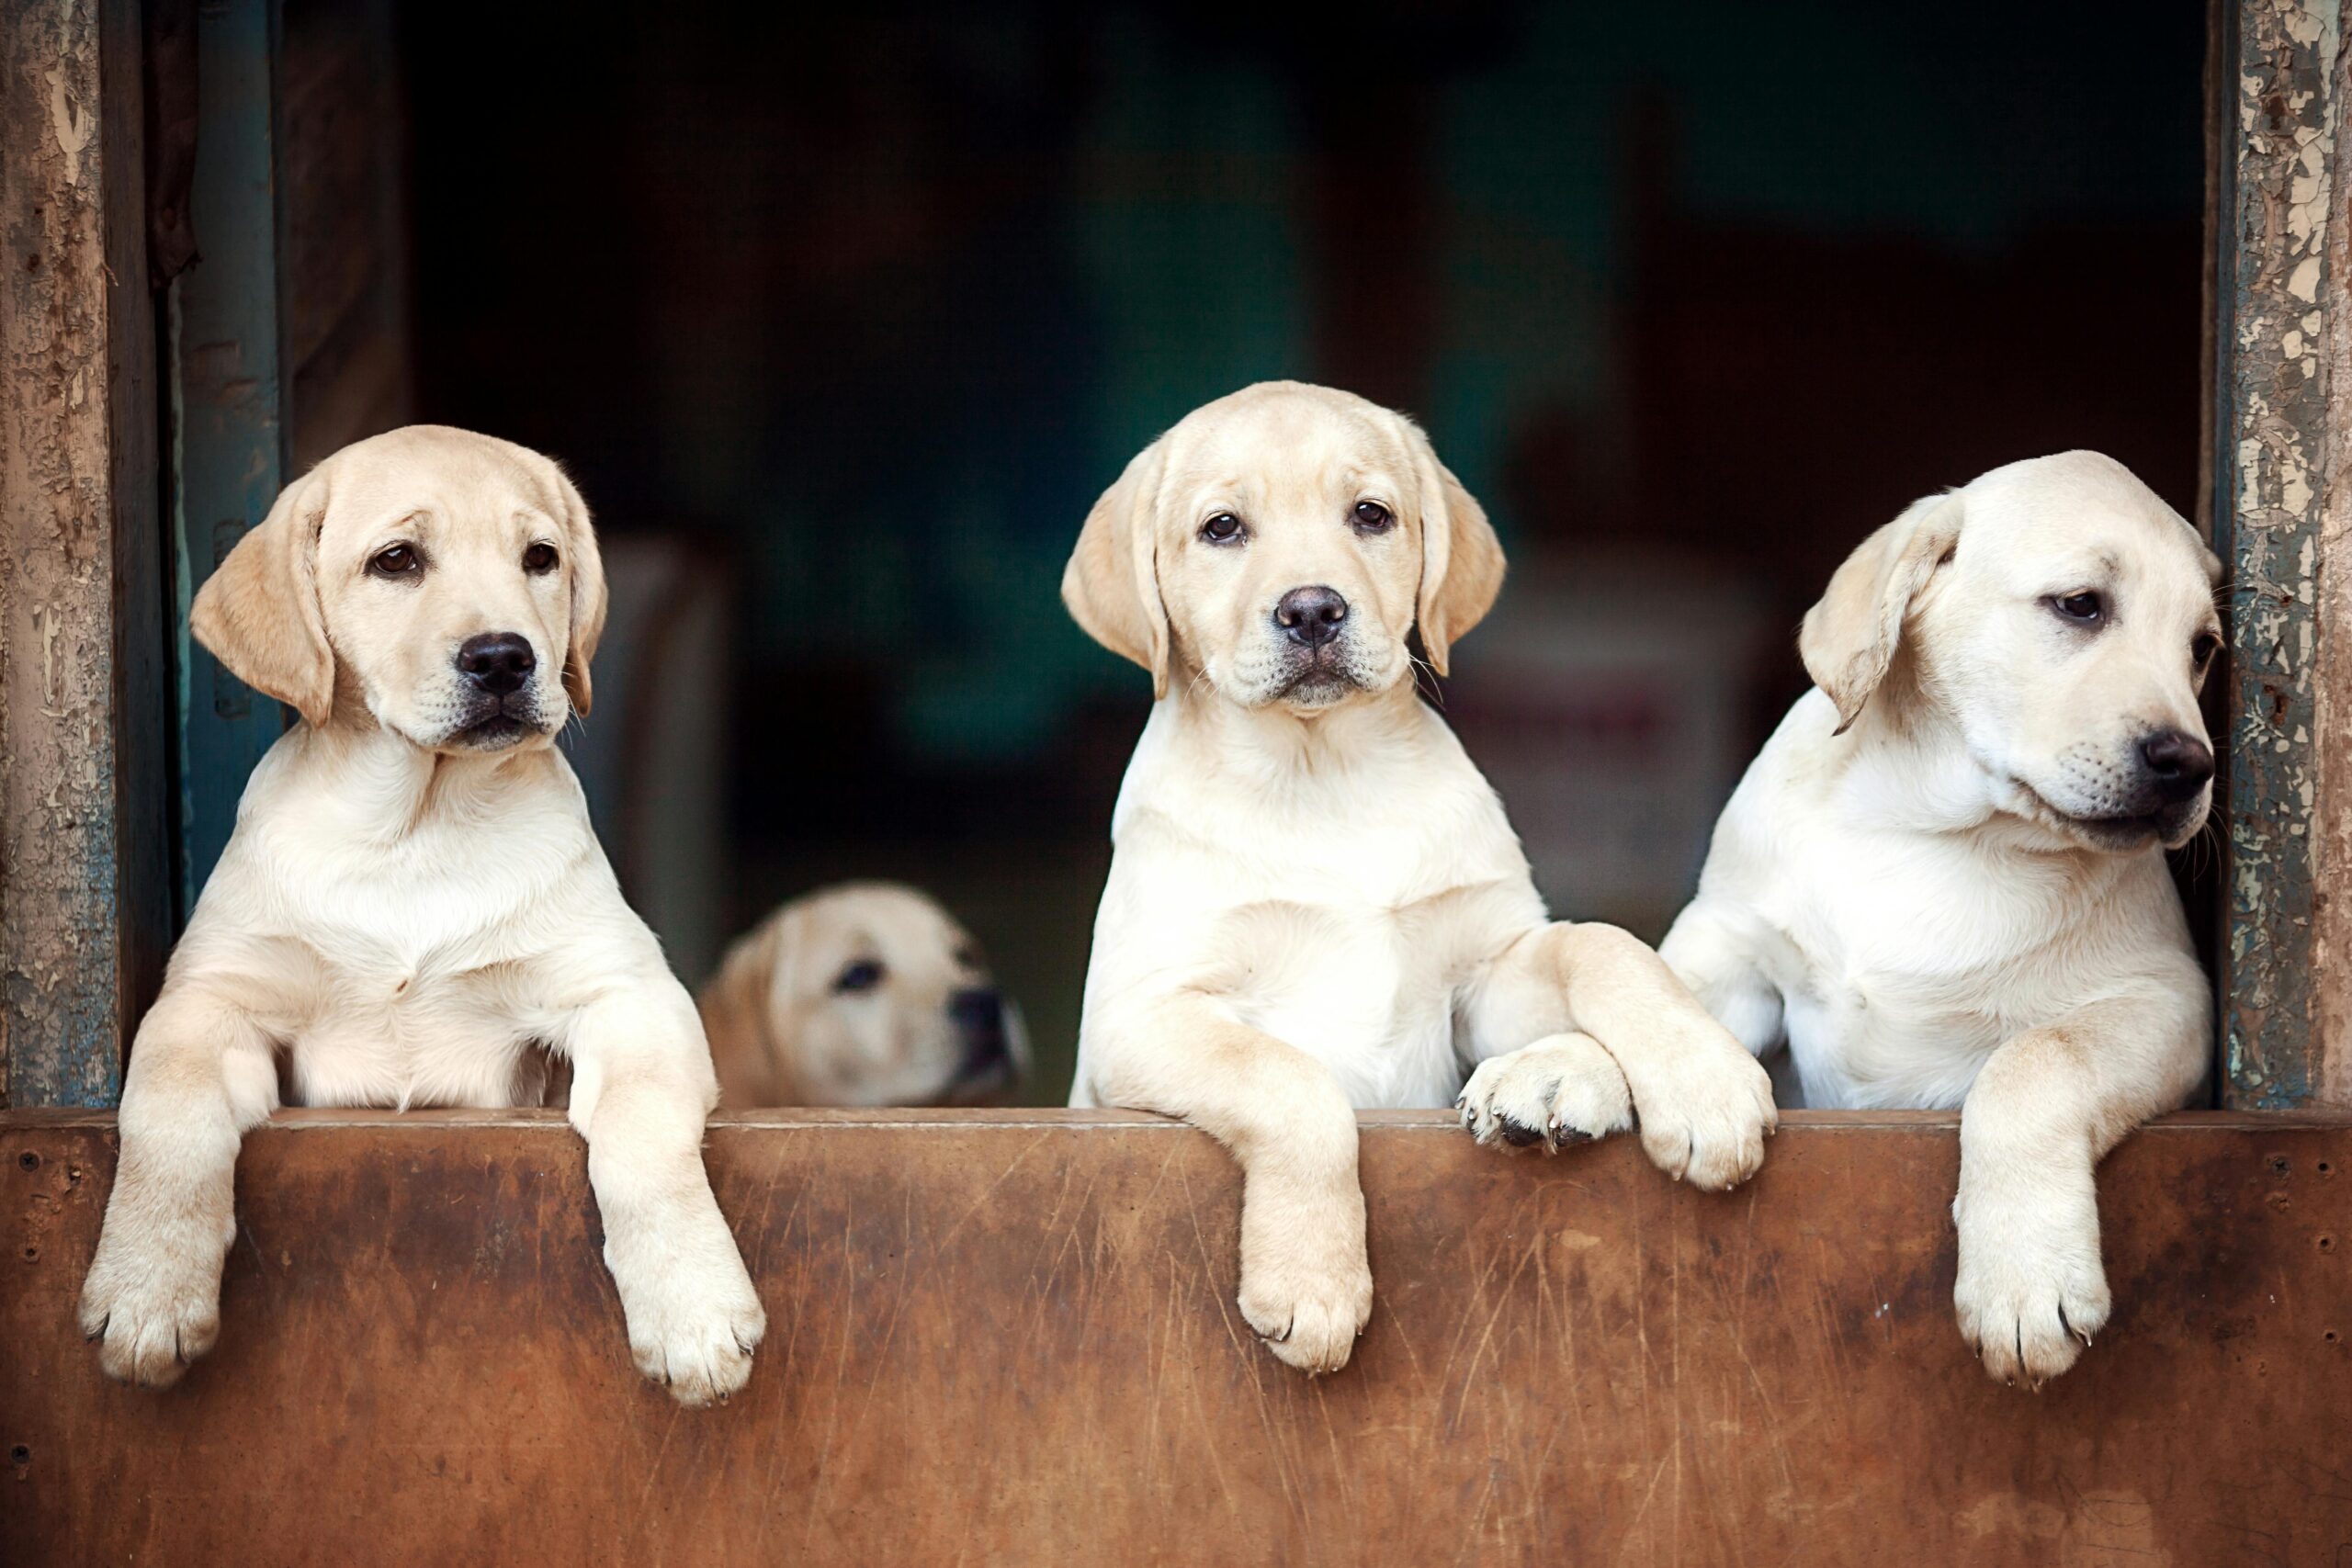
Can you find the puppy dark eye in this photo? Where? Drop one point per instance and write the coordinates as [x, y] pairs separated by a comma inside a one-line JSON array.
[[2086, 608], [540, 559], [861, 975], [1222, 529], [2201, 651], [1371, 517], [398, 560], [969, 958]]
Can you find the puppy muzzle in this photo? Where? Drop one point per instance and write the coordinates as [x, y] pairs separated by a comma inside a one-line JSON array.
[[498, 691], [995, 1047], [2158, 790]]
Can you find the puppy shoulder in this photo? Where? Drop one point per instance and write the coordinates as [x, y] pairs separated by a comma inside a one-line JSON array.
[[1780, 805]]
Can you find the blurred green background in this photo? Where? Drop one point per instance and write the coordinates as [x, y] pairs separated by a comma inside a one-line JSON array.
[[855, 314]]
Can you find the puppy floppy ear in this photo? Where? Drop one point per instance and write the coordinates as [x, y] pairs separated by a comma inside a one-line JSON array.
[[1462, 561], [259, 614], [588, 596], [1850, 637], [735, 1018], [1112, 584]]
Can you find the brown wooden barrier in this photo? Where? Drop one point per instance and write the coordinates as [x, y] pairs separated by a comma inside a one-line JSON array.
[[1010, 1339]]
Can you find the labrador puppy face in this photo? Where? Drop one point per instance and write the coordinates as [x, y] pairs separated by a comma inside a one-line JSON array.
[[1278, 546], [1288, 536], [2063, 616], [444, 584], [864, 994]]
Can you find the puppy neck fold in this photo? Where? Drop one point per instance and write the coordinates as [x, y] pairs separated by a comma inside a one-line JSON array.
[[1276, 748], [382, 787]]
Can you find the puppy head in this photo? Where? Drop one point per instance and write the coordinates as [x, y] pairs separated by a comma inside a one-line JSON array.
[[864, 994], [446, 583], [1279, 544], [2063, 617]]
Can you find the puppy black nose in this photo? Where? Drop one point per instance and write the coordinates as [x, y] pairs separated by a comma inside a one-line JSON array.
[[499, 662], [1311, 615], [2180, 764], [979, 1011], [978, 1015]]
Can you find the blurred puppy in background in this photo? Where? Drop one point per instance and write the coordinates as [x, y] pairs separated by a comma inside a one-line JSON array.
[[865, 993]]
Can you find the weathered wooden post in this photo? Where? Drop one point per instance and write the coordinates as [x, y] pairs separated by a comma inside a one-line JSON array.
[[82, 847]]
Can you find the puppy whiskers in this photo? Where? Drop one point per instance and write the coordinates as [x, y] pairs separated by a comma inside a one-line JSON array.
[[1430, 688]]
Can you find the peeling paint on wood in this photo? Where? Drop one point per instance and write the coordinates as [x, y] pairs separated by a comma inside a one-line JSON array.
[[77, 530], [2332, 817], [2275, 348], [1010, 1339]]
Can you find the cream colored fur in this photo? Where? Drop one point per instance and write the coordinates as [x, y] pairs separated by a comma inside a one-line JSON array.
[[413, 910], [1315, 902], [1929, 885]]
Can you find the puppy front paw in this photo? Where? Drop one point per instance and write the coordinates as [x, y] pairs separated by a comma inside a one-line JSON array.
[[1705, 1110], [693, 1318], [1305, 1280], [2030, 1292], [1563, 1090], [152, 1305], [694, 1336]]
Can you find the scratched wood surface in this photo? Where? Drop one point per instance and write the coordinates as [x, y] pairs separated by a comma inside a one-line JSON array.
[[1010, 1339]]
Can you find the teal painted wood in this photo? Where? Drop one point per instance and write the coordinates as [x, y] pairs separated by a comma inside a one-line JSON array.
[[2273, 408], [228, 410]]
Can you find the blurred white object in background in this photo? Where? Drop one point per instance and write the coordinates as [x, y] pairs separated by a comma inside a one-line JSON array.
[[1609, 707], [652, 755]]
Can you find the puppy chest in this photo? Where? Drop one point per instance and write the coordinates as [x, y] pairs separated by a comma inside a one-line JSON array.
[[1877, 1023], [1363, 1002], [403, 1038]]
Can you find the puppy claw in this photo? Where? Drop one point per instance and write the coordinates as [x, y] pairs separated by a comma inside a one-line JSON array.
[[1704, 1117], [1306, 1282], [1563, 1090], [2029, 1293], [152, 1310]]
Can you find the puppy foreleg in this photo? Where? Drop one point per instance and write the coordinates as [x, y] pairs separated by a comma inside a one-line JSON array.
[[2045, 1108], [200, 1075], [641, 1088], [1704, 1104], [1708, 954], [1305, 1279]]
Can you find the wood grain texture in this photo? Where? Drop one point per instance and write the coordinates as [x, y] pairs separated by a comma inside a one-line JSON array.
[[1006, 1337], [81, 802]]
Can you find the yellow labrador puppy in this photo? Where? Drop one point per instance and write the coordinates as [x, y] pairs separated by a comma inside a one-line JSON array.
[[867, 993], [412, 909], [1315, 902], [1942, 883]]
